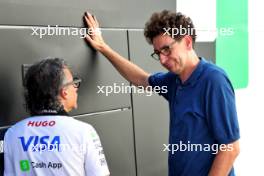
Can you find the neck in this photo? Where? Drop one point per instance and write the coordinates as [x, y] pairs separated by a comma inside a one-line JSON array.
[[191, 65], [50, 112], [65, 105]]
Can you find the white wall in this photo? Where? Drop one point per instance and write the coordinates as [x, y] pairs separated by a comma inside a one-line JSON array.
[[203, 14], [250, 100]]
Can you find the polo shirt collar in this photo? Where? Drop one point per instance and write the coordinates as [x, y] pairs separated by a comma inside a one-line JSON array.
[[196, 73]]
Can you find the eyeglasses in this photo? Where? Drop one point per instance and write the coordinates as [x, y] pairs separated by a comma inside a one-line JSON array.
[[166, 51], [76, 82]]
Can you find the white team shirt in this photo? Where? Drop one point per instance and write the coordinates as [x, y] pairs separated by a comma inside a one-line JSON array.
[[53, 145]]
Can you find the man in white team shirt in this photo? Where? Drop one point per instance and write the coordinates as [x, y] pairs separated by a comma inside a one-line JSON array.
[[50, 142]]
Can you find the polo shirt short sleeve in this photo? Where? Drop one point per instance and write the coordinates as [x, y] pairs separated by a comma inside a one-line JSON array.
[[221, 108], [162, 80]]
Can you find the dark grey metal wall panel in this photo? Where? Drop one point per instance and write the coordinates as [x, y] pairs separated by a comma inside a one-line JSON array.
[[206, 50], [2, 134], [18, 47], [151, 115], [116, 134], [111, 13]]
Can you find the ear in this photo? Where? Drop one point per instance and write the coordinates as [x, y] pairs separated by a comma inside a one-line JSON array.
[[188, 42], [63, 93]]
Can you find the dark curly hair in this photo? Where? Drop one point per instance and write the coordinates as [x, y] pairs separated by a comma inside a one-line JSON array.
[[159, 21], [42, 84]]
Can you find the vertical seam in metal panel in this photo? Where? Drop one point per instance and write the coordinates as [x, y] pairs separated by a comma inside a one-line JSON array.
[[132, 108]]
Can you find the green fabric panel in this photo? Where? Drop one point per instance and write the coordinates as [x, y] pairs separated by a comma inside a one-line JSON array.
[[232, 50]]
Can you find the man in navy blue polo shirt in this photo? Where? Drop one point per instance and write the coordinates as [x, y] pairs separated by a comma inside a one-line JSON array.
[[204, 129]]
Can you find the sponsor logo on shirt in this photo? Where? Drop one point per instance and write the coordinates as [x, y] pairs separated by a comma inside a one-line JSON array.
[[49, 165], [40, 143], [98, 147], [24, 165], [41, 123], [103, 161]]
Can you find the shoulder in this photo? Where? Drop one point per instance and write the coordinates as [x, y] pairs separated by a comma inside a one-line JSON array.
[[215, 74], [17, 127], [161, 77], [216, 79], [83, 129], [167, 75], [77, 124]]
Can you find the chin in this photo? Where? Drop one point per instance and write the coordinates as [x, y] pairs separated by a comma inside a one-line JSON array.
[[173, 70]]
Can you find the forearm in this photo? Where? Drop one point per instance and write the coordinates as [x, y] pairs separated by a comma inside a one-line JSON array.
[[224, 161], [127, 69]]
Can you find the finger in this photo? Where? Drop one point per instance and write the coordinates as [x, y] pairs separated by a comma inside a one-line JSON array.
[[92, 30], [87, 21], [91, 20], [96, 21]]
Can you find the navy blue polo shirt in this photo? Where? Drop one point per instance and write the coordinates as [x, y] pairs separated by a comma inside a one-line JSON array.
[[202, 117]]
